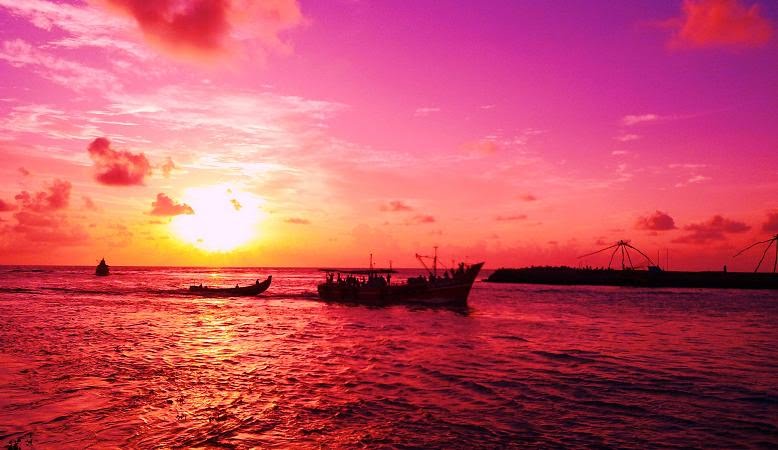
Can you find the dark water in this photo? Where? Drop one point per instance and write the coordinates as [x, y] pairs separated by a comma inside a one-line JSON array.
[[121, 362]]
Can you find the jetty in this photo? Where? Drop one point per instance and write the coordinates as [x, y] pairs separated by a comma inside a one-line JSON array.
[[563, 275], [651, 276]]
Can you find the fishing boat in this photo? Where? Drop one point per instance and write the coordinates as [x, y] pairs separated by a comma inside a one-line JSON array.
[[102, 269], [237, 291], [375, 286]]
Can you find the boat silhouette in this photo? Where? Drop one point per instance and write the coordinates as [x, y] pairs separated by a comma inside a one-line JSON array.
[[375, 287], [237, 291], [102, 269]]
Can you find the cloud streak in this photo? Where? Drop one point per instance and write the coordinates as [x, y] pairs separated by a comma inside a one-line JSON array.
[[297, 221], [512, 218], [69, 74], [634, 119], [396, 206]]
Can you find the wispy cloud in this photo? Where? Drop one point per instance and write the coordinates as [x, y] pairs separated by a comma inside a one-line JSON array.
[[168, 167], [67, 73], [495, 143], [423, 219], [425, 111], [634, 119], [396, 206], [78, 20], [511, 218], [693, 180], [297, 221], [687, 166], [627, 137]]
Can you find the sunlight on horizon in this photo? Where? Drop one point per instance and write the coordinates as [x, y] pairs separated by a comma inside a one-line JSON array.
[[224, 218]]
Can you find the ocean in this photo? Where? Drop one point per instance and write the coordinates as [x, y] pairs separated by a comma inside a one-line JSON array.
[[127, 361]]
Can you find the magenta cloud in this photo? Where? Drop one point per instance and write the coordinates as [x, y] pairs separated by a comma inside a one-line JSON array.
[[56, 196], [165, 206], [720, 23], [117, 167], [423, 218], [714, 229], [396, 206], [657, 221], [39, 218], [207, 28], [5, 206], [511, 218], [771, 224]]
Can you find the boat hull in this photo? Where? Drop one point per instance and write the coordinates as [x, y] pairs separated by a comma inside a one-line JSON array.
[[241, 291], [440, 293]]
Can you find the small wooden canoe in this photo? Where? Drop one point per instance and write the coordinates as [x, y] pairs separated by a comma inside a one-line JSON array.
[[238, 291]]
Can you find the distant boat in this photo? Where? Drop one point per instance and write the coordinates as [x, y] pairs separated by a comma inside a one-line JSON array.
[[102, 269], [237, 291], [374, 286]]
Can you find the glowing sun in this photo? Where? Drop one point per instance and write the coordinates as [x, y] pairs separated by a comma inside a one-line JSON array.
[[223, 220]]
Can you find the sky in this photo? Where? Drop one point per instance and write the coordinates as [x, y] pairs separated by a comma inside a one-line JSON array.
[[314, 133]]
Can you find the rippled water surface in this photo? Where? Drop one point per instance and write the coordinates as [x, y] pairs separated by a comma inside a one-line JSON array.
[[126, 361]]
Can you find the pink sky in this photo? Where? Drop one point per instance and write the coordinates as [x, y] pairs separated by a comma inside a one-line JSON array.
[[285, 133]]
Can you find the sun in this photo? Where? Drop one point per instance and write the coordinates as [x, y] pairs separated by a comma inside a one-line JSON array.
[[224, 218]]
